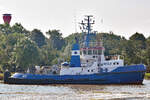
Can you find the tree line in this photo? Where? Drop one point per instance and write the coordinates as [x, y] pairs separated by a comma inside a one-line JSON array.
[[23, 49]]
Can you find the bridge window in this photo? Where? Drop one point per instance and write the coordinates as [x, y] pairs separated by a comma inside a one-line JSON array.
[[95, 52], [84, 52], [99, 52], [89, 52]]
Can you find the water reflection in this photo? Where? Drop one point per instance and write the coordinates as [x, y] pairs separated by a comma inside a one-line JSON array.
[[75, 92]]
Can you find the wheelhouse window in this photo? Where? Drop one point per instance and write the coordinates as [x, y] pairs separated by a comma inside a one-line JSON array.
[[84, 52], [89, 52], [99, 52], [95, 52]]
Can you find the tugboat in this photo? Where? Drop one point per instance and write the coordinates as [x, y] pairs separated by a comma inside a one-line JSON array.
[[88, 65]]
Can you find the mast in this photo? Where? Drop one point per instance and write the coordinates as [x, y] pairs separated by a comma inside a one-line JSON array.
[[86, 27], [90, 46]]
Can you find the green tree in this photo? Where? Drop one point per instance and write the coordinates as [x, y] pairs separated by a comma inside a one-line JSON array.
[[137, 44], [147, 54], [27, 54], [38, 37], [140, 39], [55, 39], [137, 36], [4, 58], [5, 28], [18, 28]]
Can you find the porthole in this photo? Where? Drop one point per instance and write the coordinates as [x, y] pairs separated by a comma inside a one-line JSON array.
[[88, 70], [75, 52]]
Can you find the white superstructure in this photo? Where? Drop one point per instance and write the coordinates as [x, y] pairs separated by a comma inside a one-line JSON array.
[[88, 58], [92, 61]]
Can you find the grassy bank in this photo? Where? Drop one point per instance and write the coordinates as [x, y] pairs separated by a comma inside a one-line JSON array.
[[1, 76], [147, 75]]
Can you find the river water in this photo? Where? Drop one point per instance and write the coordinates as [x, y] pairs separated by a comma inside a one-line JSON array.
[[75, 92]]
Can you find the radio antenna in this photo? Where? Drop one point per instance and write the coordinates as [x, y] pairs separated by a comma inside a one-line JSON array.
[[75, 23]]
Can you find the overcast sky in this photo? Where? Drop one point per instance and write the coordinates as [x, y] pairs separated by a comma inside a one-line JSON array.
[[123, 17]]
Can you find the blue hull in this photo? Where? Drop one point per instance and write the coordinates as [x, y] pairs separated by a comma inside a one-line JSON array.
[[122, 75]]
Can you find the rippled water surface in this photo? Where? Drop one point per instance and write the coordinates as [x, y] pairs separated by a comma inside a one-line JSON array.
[[75, 92]]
